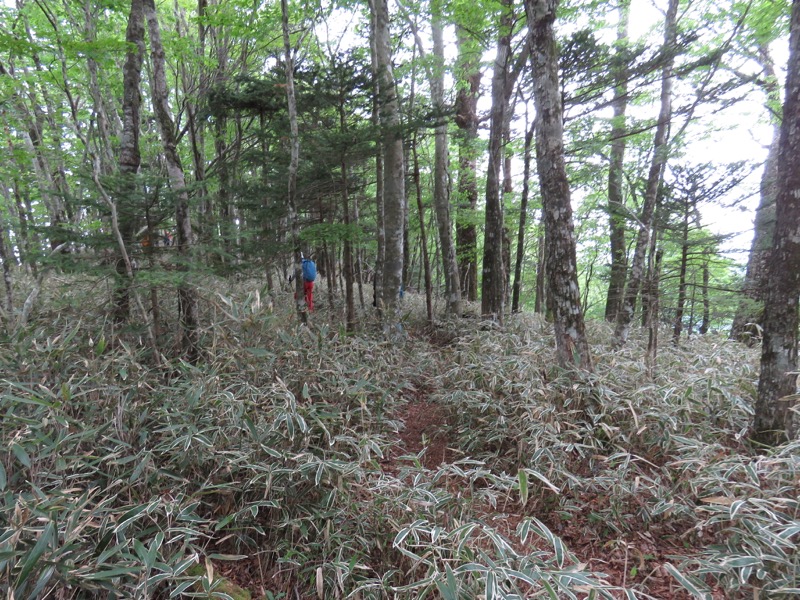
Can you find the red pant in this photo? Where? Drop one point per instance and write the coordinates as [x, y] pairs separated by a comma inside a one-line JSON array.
[[308, 288]]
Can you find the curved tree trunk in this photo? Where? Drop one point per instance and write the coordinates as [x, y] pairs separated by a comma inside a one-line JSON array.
[[773, 422], [572, 346]]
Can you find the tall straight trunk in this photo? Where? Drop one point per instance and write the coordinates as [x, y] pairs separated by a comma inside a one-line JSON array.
[[467, 121], [651, 324], [441, 175], [540, 299], [347, 250], [294, 161], [704, 326], [677, 328], [187, 296], [393, 171], [659, 160], [492, 284], [749, 312], [572, 347], [380, 257], [774, 420], [4, 258], [423, 237], [129, 153], [616, 197], [523, 219]]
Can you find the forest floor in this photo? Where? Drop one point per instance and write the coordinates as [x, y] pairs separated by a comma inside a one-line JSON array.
[[455, 462]]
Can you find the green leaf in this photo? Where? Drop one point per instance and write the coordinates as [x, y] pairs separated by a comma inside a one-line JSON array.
[[22, 456], [35, 554], [691, 584], [522, 479]]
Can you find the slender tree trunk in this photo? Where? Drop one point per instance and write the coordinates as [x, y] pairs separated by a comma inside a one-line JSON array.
[[677, 328], [523, 219], [660, 154], [9, 303], [704, 326], [467, 121], [423, 237], [441, 188], [616, 197], [187, 296], [294, 161], [572, 347], [492, 284], [652, 316], [377, 92], [774, 421], [129, 153]]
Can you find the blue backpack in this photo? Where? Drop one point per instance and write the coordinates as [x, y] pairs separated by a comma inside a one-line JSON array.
[[309, 270]]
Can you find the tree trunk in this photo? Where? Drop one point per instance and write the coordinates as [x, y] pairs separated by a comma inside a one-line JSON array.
[[523, 219], [704, 326], [129, 153], [294, 161], [572, 347], [677, 328], [492, 285], [659, 160], [749, 312], [393, 172], [540, 300], [423, 237], [467, 120], [616, 196], [377, 92], [9, 303], [187, 296], [773, 422], [441, 188]]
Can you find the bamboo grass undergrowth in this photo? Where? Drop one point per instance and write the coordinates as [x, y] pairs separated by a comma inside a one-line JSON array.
[[289, 448]]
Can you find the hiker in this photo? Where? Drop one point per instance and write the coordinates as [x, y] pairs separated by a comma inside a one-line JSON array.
[[309, 275]]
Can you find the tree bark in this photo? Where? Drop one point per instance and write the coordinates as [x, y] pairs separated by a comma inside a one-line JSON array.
[[187, 296], [523, 219], [572, 347], [749, 312], [467, 120], [616, 197], [773, 422], [659, 160], [441, 188], [393, 172], [129, 152], [492, 284], [294, 161]]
